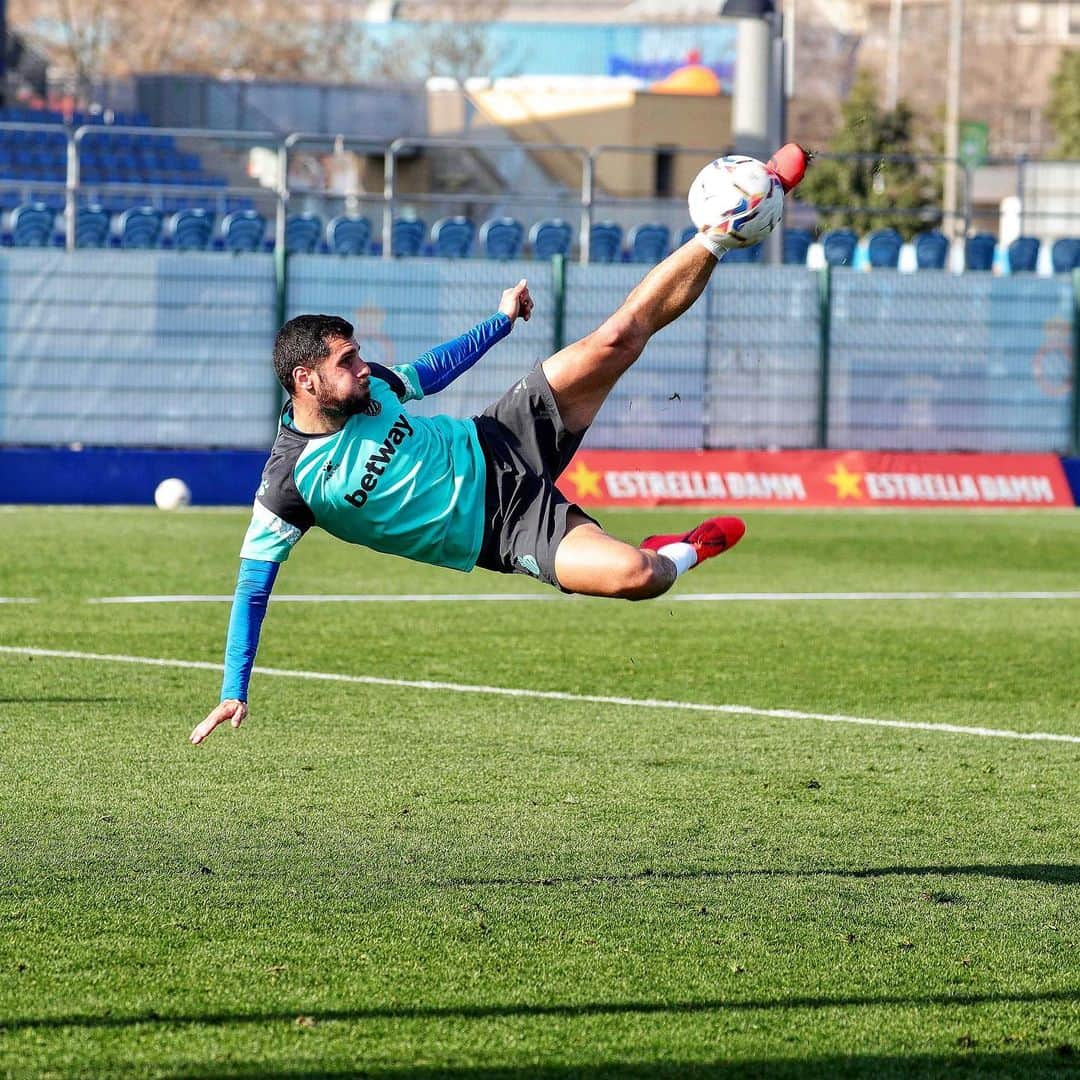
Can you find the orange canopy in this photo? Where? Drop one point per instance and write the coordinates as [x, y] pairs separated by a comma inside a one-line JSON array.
[[691, 79]]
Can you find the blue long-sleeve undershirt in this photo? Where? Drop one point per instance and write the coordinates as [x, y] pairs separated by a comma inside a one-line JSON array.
[[253, 585], [440, 366]]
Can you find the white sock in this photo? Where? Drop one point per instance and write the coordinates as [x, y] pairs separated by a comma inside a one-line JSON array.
[[716, 246], [683, 555]]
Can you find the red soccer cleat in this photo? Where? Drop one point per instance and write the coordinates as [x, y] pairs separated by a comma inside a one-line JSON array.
[[789, 163], [712, 537]]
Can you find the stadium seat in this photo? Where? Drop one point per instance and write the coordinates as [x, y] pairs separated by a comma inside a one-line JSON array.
[[502, 238], [796, 246], [979, 252], [191, 230], [743, 255], [839, 247], [883, 249], [140, 227], [91, 226], [452, 237], [605, 241], [407, 236], [1065, 255], [348, 235], [32, 225], [243, 231], [1023, 255], [687, 235], [648, 243], [302, 233], [931, 250], [551, 237], [54, 200]]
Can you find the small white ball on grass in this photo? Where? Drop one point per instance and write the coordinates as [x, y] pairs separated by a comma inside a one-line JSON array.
[[172, 494]]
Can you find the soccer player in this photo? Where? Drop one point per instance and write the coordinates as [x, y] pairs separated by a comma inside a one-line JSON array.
[[461, 493]]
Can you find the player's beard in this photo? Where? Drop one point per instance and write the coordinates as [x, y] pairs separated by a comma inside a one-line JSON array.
[[342, 407]]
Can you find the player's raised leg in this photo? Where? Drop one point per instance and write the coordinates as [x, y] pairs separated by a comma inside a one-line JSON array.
[[583, 374]]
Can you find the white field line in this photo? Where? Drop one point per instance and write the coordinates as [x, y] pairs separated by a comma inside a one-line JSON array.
[[549, 695], [676, 598], [18, 600]]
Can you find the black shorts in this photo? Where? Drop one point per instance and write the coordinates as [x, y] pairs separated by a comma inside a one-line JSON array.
[[526, 446]]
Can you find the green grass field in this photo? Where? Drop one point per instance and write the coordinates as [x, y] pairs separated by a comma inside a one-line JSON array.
[[393, 881]]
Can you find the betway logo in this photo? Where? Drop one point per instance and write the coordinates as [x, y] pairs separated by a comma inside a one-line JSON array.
[[376, 464]]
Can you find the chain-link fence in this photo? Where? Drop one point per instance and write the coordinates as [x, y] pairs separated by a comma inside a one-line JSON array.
[[167, 349]]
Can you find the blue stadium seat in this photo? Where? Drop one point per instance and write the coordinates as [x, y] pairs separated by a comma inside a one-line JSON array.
[[348, 235], [452, 237], [979, 252], [605, 242], [92, 226], [140, 227], [243, 230], [883, 249], [54, 200], [839, 247], [648, 243], [407, 236], [191, 229], [550, 237], [1065, 255], [502, 238], [303, 233], [931, 250], [1023, 255], [743, 255], [797, 245], [32, 225], [687, 235]]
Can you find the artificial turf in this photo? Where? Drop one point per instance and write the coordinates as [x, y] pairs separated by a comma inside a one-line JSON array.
[[400, 882]]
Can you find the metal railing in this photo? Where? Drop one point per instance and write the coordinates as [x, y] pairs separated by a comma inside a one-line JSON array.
[[584, 192], [90, 131], [578, 154]]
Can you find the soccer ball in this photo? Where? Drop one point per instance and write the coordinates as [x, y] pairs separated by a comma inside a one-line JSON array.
[[737, 197], [172, 494]]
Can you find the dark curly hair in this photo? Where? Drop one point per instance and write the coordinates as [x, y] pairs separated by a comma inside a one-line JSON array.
[[304, 341]]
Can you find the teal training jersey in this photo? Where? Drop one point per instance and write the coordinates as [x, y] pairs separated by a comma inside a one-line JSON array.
[[396, 482]]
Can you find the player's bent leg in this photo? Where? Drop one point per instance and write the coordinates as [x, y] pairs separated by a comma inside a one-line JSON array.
[[590, 562], [582, 375]]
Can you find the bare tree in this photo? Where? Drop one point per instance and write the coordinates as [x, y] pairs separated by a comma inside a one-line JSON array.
[[78, 32], [92, 39]]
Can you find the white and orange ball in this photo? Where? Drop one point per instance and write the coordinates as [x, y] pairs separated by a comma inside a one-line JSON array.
[[737, 197]]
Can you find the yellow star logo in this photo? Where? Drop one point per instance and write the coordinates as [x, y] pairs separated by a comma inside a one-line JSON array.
[[846, 483], [585, 480]]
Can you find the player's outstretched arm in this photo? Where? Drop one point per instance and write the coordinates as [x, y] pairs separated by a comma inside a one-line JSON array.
[[253, 586], [440, 366]]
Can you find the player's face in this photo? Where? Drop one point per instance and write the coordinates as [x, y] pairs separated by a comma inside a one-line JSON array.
[[342, 380]]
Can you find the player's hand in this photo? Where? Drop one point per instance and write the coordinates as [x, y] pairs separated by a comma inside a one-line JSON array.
[[517, 301], [231, 710]]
